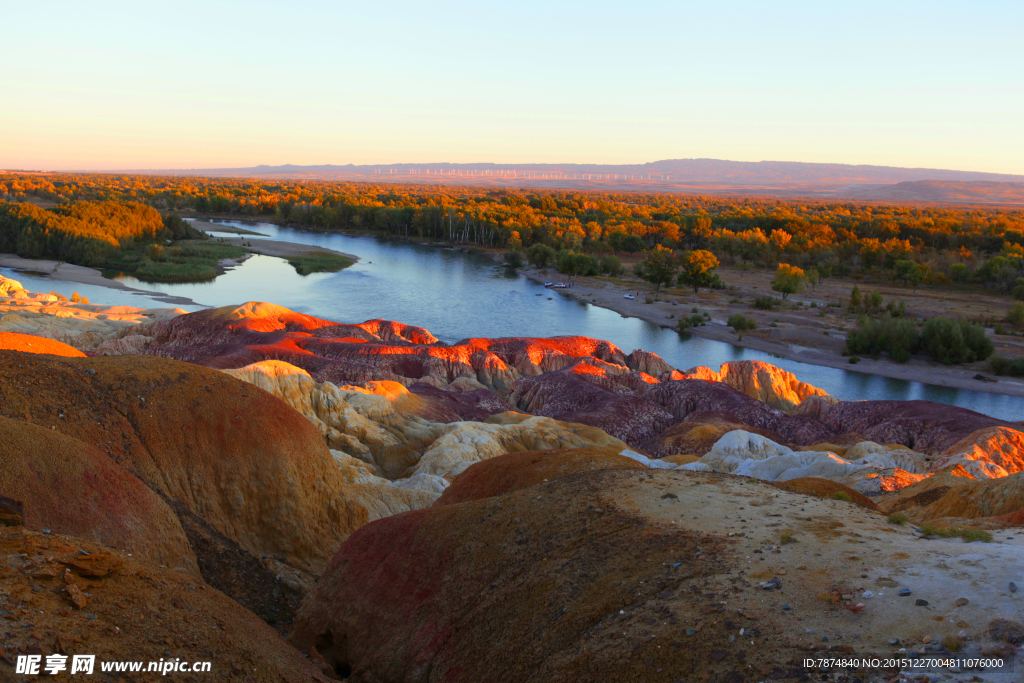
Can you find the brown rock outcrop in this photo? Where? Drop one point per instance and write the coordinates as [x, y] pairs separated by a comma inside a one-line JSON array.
[[515, 471], [69, 595], [954, 498], [643, 573], [923, 426], [69, 487], [242, 460]]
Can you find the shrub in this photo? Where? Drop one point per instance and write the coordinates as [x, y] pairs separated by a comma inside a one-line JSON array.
[[740, 323], [1016, 314], [956, 341], [842, 495], [967, 535], [898, 518], [1001, 365], [896, 336], [692, 321], [786, 537], [765, 303], [853, 360]]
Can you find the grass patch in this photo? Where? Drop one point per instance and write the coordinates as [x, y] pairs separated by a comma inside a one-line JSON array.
[[968, 535], [786, 536], [185, 262], [842, 495], [898, 518], [304, 264]]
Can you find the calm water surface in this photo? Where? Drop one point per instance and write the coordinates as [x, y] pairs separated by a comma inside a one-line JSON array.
[[456, 295]]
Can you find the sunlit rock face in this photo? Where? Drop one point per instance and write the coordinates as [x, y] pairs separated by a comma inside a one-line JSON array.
[[384, 392]]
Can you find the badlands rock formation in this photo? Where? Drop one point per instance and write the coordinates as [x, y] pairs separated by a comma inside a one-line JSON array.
[[66, 595], [506, 509], [653, 575], [423, 384], [186, 466], [86, 327]]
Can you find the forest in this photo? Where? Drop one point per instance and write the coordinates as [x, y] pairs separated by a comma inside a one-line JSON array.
[[118, 236], [910, 244]]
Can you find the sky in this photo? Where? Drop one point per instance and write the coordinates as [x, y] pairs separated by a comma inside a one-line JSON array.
[[118, 85]]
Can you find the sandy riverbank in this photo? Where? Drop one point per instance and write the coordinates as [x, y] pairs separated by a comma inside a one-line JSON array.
[[67, 272], [265, 247], [819, 345]]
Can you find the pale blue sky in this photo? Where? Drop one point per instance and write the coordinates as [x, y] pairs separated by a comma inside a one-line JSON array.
[[110, 85]]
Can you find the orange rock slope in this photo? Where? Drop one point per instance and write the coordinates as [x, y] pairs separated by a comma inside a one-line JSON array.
[[12, 341]]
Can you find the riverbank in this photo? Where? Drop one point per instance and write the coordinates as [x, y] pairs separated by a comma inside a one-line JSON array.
[[305, 258], [67, 272], [804, 337]]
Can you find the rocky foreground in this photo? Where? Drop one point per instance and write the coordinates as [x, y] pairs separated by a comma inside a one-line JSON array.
[[497, 509]]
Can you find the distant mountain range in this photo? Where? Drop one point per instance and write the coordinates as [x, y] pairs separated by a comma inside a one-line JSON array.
[[697, 176]]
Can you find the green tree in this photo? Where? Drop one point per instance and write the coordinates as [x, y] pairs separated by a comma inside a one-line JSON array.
[[908, 272], [874, 302], [824, 270], [873, 336], [956, 341], [855, 301], [633, 244], [1016, 314], [788, 280], [660, 267], [698, 269], [610, 264], [959, 273], [514, 259], [540, 255]]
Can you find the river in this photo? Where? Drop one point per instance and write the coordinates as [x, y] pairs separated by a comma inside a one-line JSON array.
[[457, 295]]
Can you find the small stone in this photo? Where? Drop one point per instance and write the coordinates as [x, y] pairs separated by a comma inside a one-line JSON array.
[[926, 640], [904, 592], [921, 603], [894, 641], [690, 632], [782, 573], [867, 595], [46, 531], [960, 602], [1013, 587], [848, 596], [803, 566], [786, 607], [824, 639]]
